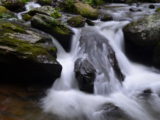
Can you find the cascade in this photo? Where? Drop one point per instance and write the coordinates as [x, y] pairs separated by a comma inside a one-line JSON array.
[[113, 99]]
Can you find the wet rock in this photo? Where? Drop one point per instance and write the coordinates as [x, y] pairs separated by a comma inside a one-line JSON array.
[[152, 6], [142, 38], [14, 5], [26, 55], [133, 9], [85, 74], [76, 21], [54, 27], [45, 10], [94, 45], [112, 112], [106, 17], [90, 23]]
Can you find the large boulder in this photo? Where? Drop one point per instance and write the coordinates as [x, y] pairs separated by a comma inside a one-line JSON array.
[[86, 10], [99, 56], [54, 27], [26, 55], [85, 74], [14, 5], [142, 38], [80, 8]]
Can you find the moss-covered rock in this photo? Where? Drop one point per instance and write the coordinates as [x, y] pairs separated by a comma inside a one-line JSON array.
[[26, 17], [32, 53], [106, 17], [158, 10], [45, 10], [77, 21], [5, 13], [54, 27], [14, 5], [86, 10], [143, 37]]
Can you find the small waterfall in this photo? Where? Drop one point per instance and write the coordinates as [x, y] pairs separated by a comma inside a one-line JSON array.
[[137, 98], [28, 7]]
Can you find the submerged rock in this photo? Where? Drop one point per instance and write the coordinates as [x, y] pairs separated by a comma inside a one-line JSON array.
[[54, 27], [112, 112], [76, 21], [142, 38], [26, 55], [85, 74]]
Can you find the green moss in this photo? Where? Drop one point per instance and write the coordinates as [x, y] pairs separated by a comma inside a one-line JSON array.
[[158, 10], [17, 46], [86, 10], [26, 17], [3, 9], [60, 29], [76, 21], [9, 27], [56, 14]]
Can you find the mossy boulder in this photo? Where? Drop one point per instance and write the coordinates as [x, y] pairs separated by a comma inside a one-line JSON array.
[[54, 27], [26, 17], [5, 13], [26, 55], [14, 5], [45, 10], [142, 38], [76, 21], [158, 10], [80, 8], [86, 10]]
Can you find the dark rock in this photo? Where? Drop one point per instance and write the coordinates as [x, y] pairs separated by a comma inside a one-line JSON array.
[[14, 5], [90, 23], [142, 38], [135, 9], [113, 112], [76, 21], [54, 27], [85, 74], [45, 2], [105, 17], [26, 55], [151, 6], [99, 53]]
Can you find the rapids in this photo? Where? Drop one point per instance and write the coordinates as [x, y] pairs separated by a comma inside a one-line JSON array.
[[137, 97]]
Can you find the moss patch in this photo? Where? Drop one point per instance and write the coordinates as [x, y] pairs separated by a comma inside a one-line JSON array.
[[86, 10]]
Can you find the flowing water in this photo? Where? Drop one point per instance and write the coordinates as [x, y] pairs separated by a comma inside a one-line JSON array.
[[111, 97]]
